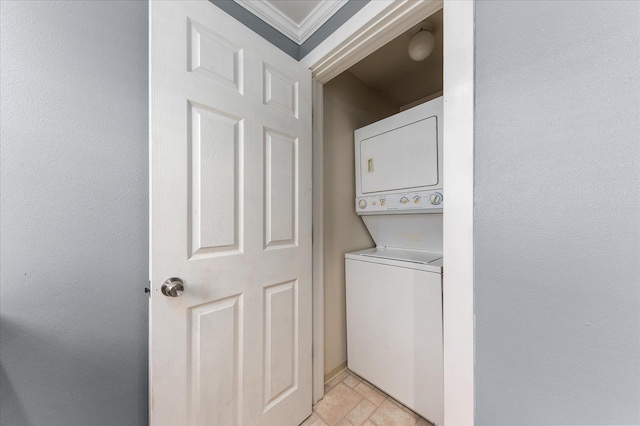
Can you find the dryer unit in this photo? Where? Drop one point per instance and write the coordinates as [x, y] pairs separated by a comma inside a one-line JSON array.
[[399, 161]]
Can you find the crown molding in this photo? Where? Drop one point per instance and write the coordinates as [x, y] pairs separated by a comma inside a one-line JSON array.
[[367, 31], [281, 22]]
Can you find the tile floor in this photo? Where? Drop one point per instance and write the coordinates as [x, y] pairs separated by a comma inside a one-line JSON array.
[[351, 401]]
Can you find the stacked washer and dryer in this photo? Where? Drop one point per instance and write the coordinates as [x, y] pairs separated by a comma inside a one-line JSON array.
[[394, 291]]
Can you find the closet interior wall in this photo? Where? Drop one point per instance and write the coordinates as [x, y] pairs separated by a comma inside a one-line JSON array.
[[348, 105]]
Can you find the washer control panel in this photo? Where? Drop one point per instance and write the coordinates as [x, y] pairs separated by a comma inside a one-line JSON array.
[[389, 203]]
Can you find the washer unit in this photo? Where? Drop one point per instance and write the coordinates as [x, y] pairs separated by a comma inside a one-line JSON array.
[[394, 291]]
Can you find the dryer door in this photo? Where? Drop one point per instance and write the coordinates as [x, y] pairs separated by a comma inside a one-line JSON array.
[[402, 158]]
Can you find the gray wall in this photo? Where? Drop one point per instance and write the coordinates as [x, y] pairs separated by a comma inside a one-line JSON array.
[[73, 315], [557, 213]]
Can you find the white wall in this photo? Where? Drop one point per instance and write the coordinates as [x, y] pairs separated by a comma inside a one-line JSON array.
[[348, 104], [73, 314], [557, 213]]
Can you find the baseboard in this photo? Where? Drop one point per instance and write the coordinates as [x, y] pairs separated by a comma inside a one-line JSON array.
[[333, 373]]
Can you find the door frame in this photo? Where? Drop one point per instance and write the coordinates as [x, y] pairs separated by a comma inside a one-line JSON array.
[[373, 26]]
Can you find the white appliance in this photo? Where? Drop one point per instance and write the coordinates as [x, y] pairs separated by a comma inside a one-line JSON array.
[[394, 291], [401, 155]]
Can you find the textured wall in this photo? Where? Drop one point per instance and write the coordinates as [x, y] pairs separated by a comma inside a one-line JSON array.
[[73, 315], [557, 214], [348, 105]]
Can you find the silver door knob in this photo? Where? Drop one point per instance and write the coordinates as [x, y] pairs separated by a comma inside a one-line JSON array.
[[172, 287]]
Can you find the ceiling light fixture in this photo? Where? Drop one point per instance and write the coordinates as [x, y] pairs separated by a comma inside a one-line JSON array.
[[422, 42]]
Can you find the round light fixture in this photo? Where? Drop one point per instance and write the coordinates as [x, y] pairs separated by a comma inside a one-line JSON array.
[[422, 42]]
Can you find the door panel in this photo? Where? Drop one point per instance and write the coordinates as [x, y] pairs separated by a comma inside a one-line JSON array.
[[214, 56], [280, 90], [215, 339], [281, 343], [231, 216], [216, 145], [281, 189]]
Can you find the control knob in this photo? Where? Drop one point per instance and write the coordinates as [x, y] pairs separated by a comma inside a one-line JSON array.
[[362, 204], [436, 198], [416, 199], [404, 200]]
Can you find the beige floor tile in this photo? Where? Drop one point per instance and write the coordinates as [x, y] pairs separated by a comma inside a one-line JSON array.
[[337, 403], [399, 404], [363, 410], [389, 414], [410, 412], [344, 422], [405, 408], [423, 422], [338, 378], [370, 394], [313, 420], [351, 381], [368, 423]]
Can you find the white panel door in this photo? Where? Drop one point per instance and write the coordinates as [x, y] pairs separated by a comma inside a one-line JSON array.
[[230, 217]]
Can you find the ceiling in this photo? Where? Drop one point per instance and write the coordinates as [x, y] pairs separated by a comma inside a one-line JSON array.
[[296, 19], [297, 11], [392, 73]]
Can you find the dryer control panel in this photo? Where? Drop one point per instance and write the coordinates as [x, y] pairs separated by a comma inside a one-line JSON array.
[[403, 202]]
